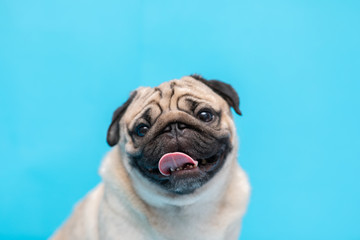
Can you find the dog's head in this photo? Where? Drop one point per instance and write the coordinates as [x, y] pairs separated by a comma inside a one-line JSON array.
[[177, 135]]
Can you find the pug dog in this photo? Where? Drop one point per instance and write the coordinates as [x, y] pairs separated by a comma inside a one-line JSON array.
[[172, 172]]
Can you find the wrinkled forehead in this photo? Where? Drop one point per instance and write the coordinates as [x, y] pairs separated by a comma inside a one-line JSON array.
[[184, 93]]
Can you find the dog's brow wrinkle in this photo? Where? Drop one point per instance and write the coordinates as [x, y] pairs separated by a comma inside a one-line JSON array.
[[161, 112], [147, 115], [193, 104], [172, 87], [160, 92], [153, 102]]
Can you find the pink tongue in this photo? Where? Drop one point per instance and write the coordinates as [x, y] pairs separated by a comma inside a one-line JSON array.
[[174, 160]]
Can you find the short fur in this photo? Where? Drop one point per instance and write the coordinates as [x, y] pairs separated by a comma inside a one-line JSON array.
[[134, 201]]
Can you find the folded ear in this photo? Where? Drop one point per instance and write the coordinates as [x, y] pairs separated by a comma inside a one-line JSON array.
[[113, 134], [226, 91]]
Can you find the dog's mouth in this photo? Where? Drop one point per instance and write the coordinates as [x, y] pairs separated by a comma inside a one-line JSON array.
[[181, 171], [179, 163]]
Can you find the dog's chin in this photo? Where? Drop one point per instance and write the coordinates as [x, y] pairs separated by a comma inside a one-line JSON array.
[[188, 178]]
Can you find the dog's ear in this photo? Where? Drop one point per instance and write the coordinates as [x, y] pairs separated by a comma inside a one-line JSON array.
[[113, 134], [225, 90]]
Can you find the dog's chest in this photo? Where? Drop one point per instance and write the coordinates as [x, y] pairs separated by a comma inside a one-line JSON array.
[[163, 225], [179, 223]]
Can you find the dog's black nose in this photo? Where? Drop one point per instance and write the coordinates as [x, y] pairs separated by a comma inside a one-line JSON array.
[[176, 127]]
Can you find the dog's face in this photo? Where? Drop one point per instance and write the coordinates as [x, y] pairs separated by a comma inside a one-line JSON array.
[[177, 135]]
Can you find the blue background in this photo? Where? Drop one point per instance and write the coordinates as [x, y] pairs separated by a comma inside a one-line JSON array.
[[66, 65]]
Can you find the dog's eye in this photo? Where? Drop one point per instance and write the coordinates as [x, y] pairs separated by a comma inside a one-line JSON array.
[[206, 116], [141, 129]]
